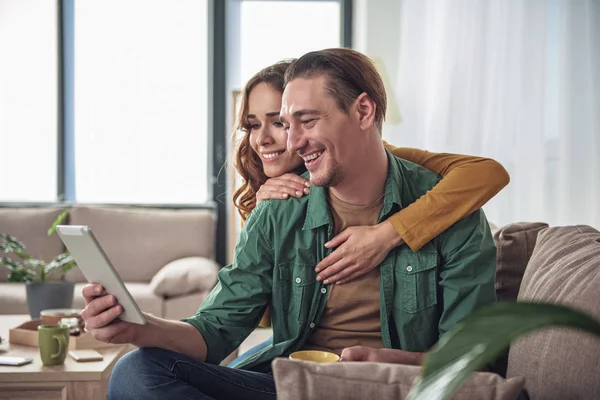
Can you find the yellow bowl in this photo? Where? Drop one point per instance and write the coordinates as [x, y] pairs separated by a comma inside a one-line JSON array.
[[315, 356]]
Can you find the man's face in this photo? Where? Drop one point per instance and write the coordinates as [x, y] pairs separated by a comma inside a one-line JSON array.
[[318, 131]]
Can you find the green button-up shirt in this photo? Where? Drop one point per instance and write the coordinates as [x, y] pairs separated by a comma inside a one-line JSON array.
[[423, 294]]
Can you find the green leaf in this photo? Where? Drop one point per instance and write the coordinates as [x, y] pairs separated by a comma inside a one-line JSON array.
[[59, 220], [482, 336], [63, 261], [50, 268], [11, 264], [38, 266], [67, 267], [10, 244], [20, 274], [62, 258], [34, 263]]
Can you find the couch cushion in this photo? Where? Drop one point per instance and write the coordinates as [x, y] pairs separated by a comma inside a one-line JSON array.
[[143, 296], [183, 306], [13, 298], [139, 242], [515, 244], [30, 225], [184, 276], [561, 363], [296, 380]]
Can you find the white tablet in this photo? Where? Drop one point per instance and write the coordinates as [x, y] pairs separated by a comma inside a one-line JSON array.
[[96, 267]]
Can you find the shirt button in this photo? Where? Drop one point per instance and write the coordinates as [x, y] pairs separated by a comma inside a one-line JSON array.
[[312, 325], [298, 280], [323, 290], [409, 268]]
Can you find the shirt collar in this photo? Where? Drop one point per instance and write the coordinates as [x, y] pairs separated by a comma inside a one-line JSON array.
[[317, 211], [394, 186]]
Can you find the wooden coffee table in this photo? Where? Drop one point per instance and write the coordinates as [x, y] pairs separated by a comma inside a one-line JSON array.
[[73, 380]]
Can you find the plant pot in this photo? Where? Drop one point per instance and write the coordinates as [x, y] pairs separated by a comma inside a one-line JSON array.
[[46, 295]]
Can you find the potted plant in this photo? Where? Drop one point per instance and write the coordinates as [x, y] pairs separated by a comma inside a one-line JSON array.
[[45, 282], [482, 337]]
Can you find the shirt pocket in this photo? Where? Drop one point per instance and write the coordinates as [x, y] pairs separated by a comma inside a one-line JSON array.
[[417, 274], [297, 288]]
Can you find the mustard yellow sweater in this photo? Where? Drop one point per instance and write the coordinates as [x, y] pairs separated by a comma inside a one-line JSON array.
[[468, 183]]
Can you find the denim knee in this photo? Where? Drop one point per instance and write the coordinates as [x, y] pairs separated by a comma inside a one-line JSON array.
[[137, 372]]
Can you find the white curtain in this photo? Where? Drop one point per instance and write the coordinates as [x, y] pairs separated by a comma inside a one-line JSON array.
[[514, 80]]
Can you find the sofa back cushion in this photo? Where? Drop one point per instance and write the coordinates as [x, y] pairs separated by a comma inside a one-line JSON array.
[[30, 226], [561, 363], [139, 242], [515, 244]]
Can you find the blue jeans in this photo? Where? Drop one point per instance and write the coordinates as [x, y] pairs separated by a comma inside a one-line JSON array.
[[152, 373]]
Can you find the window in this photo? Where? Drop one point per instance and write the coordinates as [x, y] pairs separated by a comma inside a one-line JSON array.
[[274, 30], [141, 120], [28, 101]]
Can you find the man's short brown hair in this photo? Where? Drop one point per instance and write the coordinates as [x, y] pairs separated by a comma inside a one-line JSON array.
[[349, 74]]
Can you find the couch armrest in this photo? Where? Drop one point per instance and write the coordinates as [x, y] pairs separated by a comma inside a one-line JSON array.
[[184, 276]]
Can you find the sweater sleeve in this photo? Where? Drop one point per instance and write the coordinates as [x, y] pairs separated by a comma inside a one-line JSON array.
[[468, 183]]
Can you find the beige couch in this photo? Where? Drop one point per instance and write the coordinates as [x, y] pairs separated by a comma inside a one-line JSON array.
[[534, 263], [164, 256]]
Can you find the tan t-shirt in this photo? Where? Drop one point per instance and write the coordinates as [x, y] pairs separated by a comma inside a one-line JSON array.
[[351, 316]]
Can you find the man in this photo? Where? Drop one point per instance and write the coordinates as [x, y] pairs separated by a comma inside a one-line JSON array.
[[333, 106]]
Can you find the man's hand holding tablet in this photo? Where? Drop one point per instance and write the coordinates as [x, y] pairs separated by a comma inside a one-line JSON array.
[[101, 316], [111, 314]]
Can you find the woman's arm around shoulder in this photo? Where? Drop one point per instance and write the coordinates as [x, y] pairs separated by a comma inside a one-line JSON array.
[[468, 183]]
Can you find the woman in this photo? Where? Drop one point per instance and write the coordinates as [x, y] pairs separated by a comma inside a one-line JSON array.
[[269, 171]]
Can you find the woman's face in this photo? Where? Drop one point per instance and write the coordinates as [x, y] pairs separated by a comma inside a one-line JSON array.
[[268, 138]]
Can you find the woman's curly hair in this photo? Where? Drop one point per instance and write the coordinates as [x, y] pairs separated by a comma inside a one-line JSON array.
[[246, 161]]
